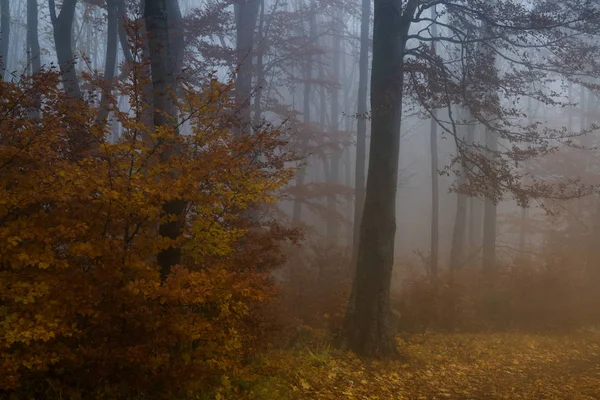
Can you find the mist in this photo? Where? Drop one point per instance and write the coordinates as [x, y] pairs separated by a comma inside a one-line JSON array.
[[303, 199]]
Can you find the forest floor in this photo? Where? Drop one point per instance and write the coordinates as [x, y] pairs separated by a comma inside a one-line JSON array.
[[434, 366]]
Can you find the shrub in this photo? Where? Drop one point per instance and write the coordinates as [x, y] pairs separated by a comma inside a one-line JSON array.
[[83, 310], [552, 296]]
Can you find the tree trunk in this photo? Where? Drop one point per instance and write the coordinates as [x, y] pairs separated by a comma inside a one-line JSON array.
[[489, 205], [297, 210], [123, 39], [4, 36], [63, 39], [260, 72], [111, 57], [435, 198], [457, 254], [33, 43], [246, 14], [475, 215], [165, 44], [335, 156], [368, 330], [361, 125]]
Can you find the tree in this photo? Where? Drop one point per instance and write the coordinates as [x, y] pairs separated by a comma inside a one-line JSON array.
[[361, 125], [62, 25], [89, 314], [435, 198], [368, 329], [246, 13], [33, 43], [110, 63], [457, 254], [491, 142], [335, 156], [165, 44], [4, 35]]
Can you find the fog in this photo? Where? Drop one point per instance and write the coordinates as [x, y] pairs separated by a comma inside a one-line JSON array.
[[195, 179]]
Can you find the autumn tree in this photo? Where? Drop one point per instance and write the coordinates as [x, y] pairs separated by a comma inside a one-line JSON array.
[[83, 289]]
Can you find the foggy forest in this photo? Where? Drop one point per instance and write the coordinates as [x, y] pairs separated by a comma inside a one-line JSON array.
[[300, 199]]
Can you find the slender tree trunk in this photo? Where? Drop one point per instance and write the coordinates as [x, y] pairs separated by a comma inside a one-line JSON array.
[[334, 167], [368, 330], [165, 44], [33, 50], [457, 254], [489, 205], [475, 214], [33, 43], [4, 36], [297, 211], [260, 72], [111, 57], [123, 39], [522, 232], [246, 14], [361, 125], [435, 198]]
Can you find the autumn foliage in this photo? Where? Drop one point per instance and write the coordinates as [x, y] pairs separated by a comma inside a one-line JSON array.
[[84, 312]]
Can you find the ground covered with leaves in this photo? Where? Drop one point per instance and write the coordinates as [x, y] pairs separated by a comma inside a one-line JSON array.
[[434, 366]]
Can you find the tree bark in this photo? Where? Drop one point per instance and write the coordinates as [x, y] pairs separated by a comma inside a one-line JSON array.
[[361, 125], [368, 329], [4, 36], [165, 44], [123, 39], [435, 198], [335, 156], [63, 38], [246, 14], [33, 42], [111, 57], [297, 210], [489, 205], [457, 254]]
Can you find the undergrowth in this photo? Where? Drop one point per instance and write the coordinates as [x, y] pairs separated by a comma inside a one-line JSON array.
[[435, 366]]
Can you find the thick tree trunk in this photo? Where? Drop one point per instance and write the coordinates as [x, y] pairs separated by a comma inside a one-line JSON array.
[[368, 329], [246, 14], [33, 42], [165, 44], [361, 125], [63, 39], [4, 36], [111, 57]]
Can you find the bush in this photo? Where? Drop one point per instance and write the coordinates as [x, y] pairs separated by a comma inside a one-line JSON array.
[[318, 287], [84, 312], [554, 296]]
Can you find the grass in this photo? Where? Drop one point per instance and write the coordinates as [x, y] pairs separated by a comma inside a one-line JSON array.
[[435, 366]]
